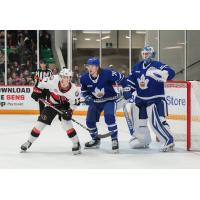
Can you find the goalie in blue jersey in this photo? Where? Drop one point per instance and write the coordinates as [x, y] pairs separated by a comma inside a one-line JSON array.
[[97, 89], [147, 78]]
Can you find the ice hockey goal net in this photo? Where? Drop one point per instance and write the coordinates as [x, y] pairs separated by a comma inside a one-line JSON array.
[[183, 98]]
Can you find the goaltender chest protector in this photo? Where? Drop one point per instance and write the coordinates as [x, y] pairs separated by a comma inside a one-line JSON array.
[[147, 86]]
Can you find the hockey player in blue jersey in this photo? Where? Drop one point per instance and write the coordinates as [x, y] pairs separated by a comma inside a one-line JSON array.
[[147, 78], [97, 89]]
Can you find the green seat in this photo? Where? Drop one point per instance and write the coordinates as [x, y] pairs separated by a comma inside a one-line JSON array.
[[49, 60], [46, 52]]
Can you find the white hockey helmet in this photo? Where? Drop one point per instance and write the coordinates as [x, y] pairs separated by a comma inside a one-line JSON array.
[[66, 72]]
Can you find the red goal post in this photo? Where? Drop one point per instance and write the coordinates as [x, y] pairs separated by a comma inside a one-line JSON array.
[[181, 85]]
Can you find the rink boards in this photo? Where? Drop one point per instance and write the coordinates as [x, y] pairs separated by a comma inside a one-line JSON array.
[[17, 100]]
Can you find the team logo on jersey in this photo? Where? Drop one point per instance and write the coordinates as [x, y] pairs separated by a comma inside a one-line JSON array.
[[77, 93], [51, 77], [44, 117], [98, 93], [143, 83]]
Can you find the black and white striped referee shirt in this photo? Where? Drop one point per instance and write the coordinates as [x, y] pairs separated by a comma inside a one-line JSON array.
[[40, 74]]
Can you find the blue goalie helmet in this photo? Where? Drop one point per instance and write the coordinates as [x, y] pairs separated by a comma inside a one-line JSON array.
[[93, 61], [148, 54]]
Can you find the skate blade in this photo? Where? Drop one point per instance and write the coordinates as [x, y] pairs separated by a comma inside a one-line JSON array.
[[94, 147], [168, 149], [22, 151], [144, 147], [76, 152], [116, 151]]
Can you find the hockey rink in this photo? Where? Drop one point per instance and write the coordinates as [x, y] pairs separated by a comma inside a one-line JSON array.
[[53, 149]]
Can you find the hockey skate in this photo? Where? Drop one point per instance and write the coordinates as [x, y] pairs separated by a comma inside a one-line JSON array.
[[93, 144], [167, 147], [76, 149], [25, 146], [136, 144], [115, 146]]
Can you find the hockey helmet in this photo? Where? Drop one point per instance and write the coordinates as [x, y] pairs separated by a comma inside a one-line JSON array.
[[66, 72], [148, 53], [93, 61]]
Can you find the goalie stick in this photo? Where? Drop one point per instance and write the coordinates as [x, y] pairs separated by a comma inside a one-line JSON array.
[[128, 120], [60, 112]]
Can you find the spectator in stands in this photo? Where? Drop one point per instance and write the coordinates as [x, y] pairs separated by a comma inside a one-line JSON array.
[[2, 63], [31, 82], [12, 39], [20, 40], [26, 73], [75, 78], [28, 43], [2, 39], [10, 81], [13, 56], [22, 55], [55, 71], [16, 68], [45, 40]]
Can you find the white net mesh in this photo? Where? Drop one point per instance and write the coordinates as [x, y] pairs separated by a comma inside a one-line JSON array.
[[183, 127]]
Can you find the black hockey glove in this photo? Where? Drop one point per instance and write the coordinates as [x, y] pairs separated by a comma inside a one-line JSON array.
[[67, 115], [36, 94]]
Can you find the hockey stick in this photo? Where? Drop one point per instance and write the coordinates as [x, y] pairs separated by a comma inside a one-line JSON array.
[[128, 120], [60, 112], [106, 99]]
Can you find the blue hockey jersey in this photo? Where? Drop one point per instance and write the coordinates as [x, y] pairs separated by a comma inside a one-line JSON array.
[[148, 88], [102, 86]]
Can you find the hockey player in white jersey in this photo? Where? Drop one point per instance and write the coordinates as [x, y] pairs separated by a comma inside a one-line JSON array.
[[64, 96], [147, 78]]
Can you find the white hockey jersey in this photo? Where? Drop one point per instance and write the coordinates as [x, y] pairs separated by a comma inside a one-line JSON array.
[[57, 95]]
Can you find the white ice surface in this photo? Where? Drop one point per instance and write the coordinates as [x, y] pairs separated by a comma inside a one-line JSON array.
[[53, 149]]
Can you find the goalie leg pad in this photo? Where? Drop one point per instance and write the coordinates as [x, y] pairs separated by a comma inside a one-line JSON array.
[[142, 137], [158, 124]]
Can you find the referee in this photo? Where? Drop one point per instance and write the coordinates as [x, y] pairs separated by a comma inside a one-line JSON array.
[[40, 74]]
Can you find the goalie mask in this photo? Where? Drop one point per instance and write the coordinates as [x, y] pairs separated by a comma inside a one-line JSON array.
[[148, 54]]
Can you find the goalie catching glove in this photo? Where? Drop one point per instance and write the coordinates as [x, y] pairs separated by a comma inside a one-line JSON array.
[[158, 75]]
